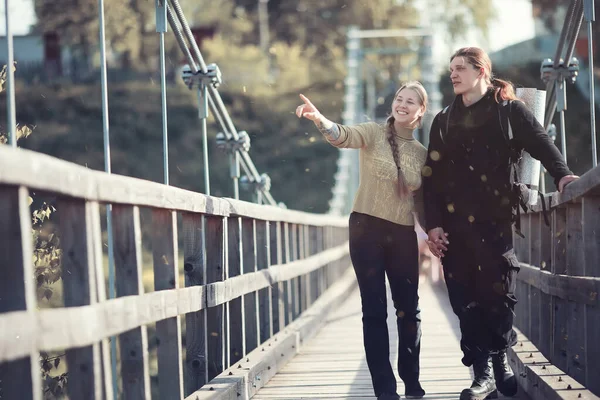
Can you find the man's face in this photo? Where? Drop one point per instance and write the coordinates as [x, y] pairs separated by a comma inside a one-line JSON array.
[[464, 76]]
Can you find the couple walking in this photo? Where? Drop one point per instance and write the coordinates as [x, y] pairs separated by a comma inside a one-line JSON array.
[[461, 191]]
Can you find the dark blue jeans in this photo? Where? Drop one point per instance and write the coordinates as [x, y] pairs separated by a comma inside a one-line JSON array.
[[379, 247], [480, 269]]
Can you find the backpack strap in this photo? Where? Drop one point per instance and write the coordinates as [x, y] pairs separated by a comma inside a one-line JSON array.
[[516, 155], [444, 124]]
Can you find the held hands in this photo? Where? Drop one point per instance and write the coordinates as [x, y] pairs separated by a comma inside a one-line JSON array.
[[437, 241], [308, 110], [565, 180]]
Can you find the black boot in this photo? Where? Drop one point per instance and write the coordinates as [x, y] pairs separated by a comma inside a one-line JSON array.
[[483, 386], [388, 396], [413, 391], [505, 378]]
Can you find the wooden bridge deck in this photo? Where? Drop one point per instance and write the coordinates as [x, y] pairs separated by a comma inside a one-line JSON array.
[[332, 365]]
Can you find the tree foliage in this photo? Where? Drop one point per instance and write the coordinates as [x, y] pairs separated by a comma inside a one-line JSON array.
[[547, 11]]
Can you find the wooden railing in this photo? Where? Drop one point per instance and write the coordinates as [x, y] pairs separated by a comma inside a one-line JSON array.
[[249, 272], [559, 283]]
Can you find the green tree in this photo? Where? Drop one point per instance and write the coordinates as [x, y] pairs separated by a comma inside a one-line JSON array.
[[76, 22]]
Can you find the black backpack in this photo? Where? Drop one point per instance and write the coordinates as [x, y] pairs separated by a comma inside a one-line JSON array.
[[520, 191]]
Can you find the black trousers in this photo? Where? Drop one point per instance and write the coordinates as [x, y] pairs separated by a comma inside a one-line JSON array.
[[480, 269], [379, 247]]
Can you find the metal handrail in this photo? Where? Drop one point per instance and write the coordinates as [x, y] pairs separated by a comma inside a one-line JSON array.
[[555, 72]]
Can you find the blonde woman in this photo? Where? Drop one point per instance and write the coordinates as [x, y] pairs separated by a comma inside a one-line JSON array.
[[382, 235]]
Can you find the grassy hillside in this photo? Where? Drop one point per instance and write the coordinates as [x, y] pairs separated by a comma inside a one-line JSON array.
[[68, 122]]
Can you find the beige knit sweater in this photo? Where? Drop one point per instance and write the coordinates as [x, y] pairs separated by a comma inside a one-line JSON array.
[[377, 195]]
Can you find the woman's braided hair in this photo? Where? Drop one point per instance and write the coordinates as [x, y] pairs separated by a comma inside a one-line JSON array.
[[402, 187]]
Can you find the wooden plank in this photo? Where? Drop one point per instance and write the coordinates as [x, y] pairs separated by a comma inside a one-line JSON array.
[[166, 277], [590, 218], [523, 244], [286, 254], [261, 365], [559, 241], [579, 289], [263, 260], [278, 214], [317, 277], [19, 378], [546, 243], [576, 342], [196, 372], [306, 280], [120, 315], [224, 291], [575, 250], [546, 324], [47, 173], [591, 238], [236, 306], [541, 380], [592, 381], [301, 280], [292, 283], [535, 240], [535, 304], [587, 185], [560, 334], [522, 309], [215, 316], [133, 344], [251, 299], [332, 364], [277, 288], [79, 289]]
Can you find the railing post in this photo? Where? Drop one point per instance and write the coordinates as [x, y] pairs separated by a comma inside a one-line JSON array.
[[546, 310], [576, 357], [20, 378], [560, 306], [166, 277], [287, 299], [251, 305], [196, 370], [79, 289], [237, 347], [215, 272], [277, 288], [591, 238], [317, 278], [128, 273], [264, 295]]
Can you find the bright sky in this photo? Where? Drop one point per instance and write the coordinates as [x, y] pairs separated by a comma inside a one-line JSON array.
[[513, 23], [21, 14]]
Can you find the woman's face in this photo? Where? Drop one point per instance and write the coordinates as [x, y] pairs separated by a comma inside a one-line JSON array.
[[407, 108], [464, 76]]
